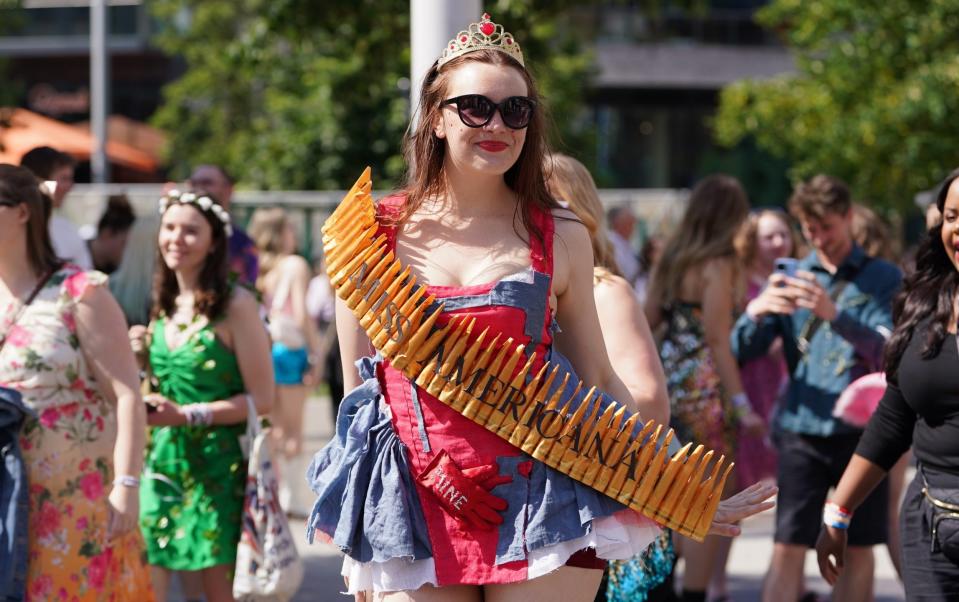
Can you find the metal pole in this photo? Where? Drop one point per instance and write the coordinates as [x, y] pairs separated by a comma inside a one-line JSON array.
[[432, 24], [99, 91]]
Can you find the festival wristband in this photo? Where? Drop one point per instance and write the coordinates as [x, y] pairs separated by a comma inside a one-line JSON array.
[[740, 406], [126, 481], [740, 401], [460, 495], [198, 414], [835, 516]]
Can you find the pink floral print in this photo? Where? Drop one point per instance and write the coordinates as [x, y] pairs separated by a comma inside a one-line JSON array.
[[68, 452]]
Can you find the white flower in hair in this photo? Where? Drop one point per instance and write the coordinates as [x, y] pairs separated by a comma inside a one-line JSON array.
[[205, 203], [49, 187]]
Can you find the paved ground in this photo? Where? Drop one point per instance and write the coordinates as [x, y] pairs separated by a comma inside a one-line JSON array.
[[747, 562]]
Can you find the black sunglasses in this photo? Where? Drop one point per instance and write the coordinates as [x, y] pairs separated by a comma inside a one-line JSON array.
[[475, 110]]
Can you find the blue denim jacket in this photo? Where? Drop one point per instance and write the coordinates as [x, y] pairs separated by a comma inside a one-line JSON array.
[[14, 498], [838, 353]]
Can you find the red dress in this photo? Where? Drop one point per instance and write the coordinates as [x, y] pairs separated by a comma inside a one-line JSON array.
[[550, 517]]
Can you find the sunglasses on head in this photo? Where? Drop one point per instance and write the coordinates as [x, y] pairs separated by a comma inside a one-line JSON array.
[[475, 110]]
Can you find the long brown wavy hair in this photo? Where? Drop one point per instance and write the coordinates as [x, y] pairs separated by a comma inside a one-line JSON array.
[[213, 291], [425, 152], [19, 185], [716, 210]]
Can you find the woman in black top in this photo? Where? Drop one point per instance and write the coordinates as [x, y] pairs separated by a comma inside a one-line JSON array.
[[921, 409]]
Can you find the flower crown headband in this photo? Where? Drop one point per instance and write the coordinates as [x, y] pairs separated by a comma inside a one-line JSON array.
[[484, 35], [203, 202]]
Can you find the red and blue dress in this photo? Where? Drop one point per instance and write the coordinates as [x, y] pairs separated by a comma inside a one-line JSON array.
[[395, 532]]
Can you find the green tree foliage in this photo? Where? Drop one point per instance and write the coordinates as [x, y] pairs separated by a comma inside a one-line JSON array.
[[301, 94], [11, 17], [873, 100]]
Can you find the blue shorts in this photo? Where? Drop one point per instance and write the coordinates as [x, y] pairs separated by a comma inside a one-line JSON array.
[[289, 365]]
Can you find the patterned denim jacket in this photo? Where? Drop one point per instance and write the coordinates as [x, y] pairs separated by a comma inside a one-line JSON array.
[[838, 353], [13, 498]]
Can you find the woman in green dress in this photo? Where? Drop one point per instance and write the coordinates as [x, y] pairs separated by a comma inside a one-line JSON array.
[[208, 352]]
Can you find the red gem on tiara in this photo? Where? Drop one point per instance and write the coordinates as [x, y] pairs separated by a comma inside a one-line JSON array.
[[485, 35]]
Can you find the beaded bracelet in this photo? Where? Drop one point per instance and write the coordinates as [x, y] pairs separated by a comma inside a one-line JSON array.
[[836, 516], [126, 481]]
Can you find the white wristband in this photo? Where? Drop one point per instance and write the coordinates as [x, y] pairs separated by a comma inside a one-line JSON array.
[[126, 481], [198, 414]]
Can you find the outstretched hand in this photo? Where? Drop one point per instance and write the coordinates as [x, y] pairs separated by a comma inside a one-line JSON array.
[[752, 500]]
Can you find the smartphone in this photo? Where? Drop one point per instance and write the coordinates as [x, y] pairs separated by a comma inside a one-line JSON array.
[[787, 266]]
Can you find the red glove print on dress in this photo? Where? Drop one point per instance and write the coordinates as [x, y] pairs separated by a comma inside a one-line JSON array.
[[460, 492]]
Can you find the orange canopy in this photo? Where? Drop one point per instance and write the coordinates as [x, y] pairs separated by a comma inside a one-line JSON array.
[[29, 130]]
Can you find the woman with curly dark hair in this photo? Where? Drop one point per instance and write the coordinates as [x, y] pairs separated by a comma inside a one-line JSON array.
[[920, 408]]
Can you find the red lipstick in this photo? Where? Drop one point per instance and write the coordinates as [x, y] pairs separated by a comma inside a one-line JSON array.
[[493, 146]]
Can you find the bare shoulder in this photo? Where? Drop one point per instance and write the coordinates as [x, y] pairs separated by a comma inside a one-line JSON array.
[[295, 264], [615, 291], [243, 305], [95, 297], [719, 268], [572, 251], [570, 231]]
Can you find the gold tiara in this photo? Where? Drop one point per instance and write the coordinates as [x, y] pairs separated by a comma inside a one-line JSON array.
[[489, 379], [484, 35]]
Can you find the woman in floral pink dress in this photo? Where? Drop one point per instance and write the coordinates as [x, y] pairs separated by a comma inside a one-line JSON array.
[[63, 346]]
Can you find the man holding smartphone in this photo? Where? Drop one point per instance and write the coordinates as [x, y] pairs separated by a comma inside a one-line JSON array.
[[833, 314]]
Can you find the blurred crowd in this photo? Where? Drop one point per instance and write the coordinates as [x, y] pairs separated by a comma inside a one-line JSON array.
[[756, 321]]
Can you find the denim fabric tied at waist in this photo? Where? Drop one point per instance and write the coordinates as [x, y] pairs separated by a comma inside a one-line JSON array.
[[14, 497], [366, 500]]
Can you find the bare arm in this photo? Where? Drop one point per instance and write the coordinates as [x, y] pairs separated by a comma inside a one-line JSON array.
[[858, 480], [582, 338], [718, 307], [354, 344], [101, 330], [251, 345], [654, 313], [300, 282], [631, 347]]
